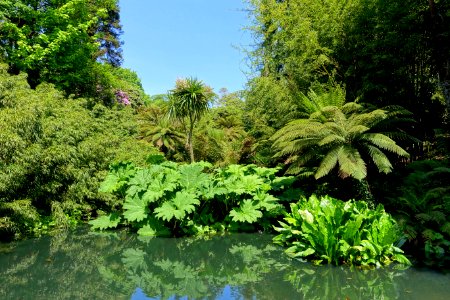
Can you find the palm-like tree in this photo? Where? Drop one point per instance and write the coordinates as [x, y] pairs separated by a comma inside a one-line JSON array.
[[189, 101], [157, 129], [164, 135], [338, 135]]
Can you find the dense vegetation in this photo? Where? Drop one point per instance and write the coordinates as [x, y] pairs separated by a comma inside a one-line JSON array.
[[350, 97]]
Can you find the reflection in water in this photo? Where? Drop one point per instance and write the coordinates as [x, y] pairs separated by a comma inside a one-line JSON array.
[[239, 266]]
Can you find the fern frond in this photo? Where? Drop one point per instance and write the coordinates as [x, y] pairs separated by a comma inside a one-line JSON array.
[[384, 142], [351, 163], [328, 162], [380, 159]]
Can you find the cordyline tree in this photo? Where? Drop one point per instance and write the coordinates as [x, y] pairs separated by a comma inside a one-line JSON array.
[[189, 100]]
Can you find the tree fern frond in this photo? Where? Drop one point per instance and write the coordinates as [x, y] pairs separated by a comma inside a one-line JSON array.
[[351, 164], [331, 139], [380, 159], [328, 162], [351, 107], [384, 142]]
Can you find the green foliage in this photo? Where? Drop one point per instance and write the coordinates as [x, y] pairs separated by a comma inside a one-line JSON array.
[[105, 222], [327, 230], [167, 198], [337, 135], [384, 53], [60, 41], [422, 206], [54, 152], [395, 53]]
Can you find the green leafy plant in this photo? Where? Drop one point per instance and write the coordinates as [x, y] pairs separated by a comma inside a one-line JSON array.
[[338, 135], [171, 199], [327, 230], [422, 206], [54, 152]]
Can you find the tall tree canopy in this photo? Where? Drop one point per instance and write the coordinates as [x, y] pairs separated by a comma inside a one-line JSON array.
[[383, 52], [60, 41]]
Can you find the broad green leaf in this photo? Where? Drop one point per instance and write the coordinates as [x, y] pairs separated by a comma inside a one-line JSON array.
[[135, 209], [153, 227], [139, 182], [185, 202], [307, 216], [192, 178], [105, 222], [246, 212], [117, 177], [266, 201], [110, 184], [178, 207]]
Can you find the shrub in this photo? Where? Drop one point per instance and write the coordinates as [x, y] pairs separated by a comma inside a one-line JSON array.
[[327, 230], [422, 206], [171, 199], [54, 152]]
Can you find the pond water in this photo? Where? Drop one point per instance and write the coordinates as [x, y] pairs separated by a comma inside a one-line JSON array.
[[82, 265]]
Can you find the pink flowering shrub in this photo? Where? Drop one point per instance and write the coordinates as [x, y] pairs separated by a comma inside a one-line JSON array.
[[122, 97]]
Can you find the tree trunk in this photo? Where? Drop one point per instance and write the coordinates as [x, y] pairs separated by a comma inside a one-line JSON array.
[[191, 148]]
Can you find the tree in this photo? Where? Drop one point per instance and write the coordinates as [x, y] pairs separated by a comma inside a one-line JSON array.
[[54, 152], [189, 101], [163, 135], [60, 41], [337, 135]]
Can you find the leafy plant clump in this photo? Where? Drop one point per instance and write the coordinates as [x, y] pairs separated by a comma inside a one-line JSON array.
[[422, 207], [168, 199], [327, 230]]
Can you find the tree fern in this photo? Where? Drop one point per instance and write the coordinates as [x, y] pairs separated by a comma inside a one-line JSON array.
[[337, 136]]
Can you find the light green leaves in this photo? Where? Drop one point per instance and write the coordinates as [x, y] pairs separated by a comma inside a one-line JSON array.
[[192, 178], [105, 222], [178, 207], [246, 212], [327, 229], [135, 209], [187, 199]]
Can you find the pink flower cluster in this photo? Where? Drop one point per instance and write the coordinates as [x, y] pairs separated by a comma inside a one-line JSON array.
[[122, 97]]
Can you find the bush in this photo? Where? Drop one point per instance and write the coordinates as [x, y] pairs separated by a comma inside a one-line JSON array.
[[54, 152], [171, 199], [327, 230], [421, 205]]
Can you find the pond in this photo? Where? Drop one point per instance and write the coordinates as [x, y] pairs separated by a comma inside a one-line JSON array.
[[83, 265]]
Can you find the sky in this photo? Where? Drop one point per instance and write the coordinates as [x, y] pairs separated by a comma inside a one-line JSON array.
[[169, 39]]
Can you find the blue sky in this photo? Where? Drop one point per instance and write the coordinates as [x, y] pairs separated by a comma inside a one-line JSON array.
[[168, 39]]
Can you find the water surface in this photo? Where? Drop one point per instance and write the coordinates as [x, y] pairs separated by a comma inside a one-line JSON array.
[[82, 265]]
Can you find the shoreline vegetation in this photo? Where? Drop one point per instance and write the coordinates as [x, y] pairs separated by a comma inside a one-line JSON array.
[[340, 142]]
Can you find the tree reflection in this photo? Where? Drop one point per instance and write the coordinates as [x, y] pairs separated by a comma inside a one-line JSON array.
[[119, 266]]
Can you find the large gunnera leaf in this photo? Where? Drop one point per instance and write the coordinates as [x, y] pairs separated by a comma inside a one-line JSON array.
[[247, 212], [105, 222], [135, 209], [178, 207]]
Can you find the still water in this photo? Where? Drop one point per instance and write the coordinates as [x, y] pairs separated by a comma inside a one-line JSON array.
[[82, 265]]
